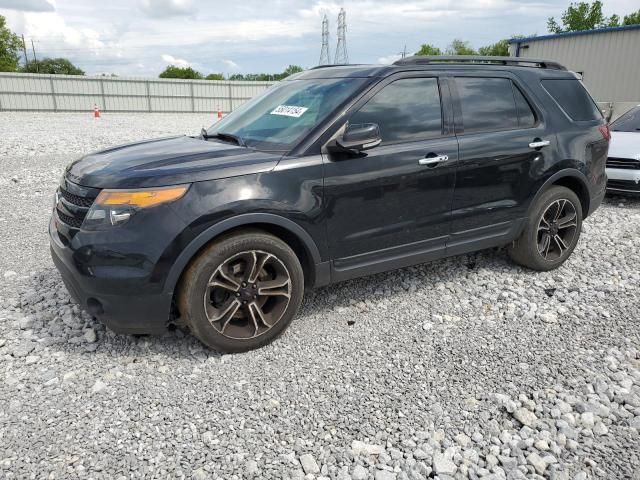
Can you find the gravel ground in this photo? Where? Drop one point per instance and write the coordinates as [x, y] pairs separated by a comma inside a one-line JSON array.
[[463, 368]]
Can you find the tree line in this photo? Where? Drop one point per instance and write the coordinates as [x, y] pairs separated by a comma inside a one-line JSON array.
[[577, 17], [189, 73]]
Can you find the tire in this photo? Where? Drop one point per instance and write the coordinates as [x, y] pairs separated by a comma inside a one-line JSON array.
[[531, 248], [228, 315]]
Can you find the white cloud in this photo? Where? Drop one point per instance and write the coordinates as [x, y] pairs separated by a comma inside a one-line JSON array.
[[231, 65], [52, 30], [27, 5], [167, 8], [178, 62]]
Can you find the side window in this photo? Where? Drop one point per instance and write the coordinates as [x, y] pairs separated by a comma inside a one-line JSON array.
[[487, 104], [628, 122], [573, 98], [526, 117], [405, 110]]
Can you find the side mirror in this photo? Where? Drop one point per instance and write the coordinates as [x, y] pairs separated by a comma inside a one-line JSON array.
[[358, 137]]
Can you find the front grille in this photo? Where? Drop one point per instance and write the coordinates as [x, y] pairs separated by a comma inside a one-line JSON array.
[[625, 163], [76, 199], [74, 202], [628, 186], [71, 221]]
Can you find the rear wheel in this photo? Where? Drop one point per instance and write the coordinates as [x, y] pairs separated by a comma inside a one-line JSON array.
[[552, 231], [241, 292]]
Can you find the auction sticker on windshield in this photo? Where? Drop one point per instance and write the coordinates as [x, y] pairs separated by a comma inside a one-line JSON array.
[[289, 111]]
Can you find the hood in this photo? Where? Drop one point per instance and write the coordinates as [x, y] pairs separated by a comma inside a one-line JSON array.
[[167, 161], [625, 145]]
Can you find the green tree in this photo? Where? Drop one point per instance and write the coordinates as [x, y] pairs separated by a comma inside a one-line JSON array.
[[632, 19], [498, 49], [428, 50], [53, 66], [582, 16], [214, 76], [460, 47], [267, 77], [292, 70], [10, 45], [178, 72]]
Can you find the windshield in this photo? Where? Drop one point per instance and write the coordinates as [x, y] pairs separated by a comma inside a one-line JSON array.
[[286, 112], [628, 122]]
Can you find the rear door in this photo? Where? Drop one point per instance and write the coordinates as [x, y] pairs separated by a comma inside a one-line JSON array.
[[503, 140]]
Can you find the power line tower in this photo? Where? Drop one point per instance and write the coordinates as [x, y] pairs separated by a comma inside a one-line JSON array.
[[324, 52], [342, 57]]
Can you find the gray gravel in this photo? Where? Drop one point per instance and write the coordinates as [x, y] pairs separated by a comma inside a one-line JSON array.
[[464, 368]]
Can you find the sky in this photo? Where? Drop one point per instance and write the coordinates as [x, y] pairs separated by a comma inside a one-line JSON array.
[[142, 37]]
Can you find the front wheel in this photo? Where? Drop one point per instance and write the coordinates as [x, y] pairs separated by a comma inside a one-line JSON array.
[[241, 292], [552, 231]]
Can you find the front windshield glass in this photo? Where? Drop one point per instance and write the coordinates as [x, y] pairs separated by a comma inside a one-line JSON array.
[[628, 122], [286, 112]]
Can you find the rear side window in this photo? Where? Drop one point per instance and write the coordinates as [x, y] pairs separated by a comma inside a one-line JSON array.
[[573, 98], [405, 110], [487, 104]]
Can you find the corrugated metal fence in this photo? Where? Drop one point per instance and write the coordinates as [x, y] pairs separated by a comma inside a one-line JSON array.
[[73, 93]]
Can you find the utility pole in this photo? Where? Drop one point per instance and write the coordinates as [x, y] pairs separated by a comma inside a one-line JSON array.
[[342, 57], [24, 49], [404, 52], [324, 51], [35, 60]]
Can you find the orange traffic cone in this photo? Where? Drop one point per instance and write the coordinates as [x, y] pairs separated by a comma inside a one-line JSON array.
[[96, 111]]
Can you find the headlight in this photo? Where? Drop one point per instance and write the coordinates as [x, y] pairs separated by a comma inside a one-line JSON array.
[[115, 207]]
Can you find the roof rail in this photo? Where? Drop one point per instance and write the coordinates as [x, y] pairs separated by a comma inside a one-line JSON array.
[[479, 60]]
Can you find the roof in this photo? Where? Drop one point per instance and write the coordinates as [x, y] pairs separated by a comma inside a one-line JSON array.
[[478, 60], [574, 34], [342, 71], [437, 64]]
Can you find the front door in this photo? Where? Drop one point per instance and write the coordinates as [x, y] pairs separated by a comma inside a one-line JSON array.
[[390, 206]]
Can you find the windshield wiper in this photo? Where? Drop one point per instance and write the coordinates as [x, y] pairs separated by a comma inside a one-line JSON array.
[[224, 136]]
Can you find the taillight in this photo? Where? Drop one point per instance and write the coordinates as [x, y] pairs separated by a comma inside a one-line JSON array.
[[606, 133]]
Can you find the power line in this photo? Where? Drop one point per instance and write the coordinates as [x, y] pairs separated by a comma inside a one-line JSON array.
[[24, 49], [342, 57], [35, 60], [324, 52]]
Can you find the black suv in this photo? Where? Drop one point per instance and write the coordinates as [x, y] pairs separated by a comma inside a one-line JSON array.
[[335, 173]]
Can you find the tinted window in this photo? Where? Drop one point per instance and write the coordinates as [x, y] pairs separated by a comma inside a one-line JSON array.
[[526, 117], [487, 104], [573, 98], [628, 122], [406, 110]]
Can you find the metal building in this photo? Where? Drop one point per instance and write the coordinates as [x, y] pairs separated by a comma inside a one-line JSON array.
[[607, 58]]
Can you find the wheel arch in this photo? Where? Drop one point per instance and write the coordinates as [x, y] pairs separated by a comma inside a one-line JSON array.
[[572, 179], [286, 230]]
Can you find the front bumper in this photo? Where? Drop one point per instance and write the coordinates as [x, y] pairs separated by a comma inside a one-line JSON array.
[[120, 298], [623, 180]]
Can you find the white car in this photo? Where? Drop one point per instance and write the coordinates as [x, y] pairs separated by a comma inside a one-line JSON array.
[[623, 164]]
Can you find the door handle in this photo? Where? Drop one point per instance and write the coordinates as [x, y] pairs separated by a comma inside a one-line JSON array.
[[539, 143], [429, 161]]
